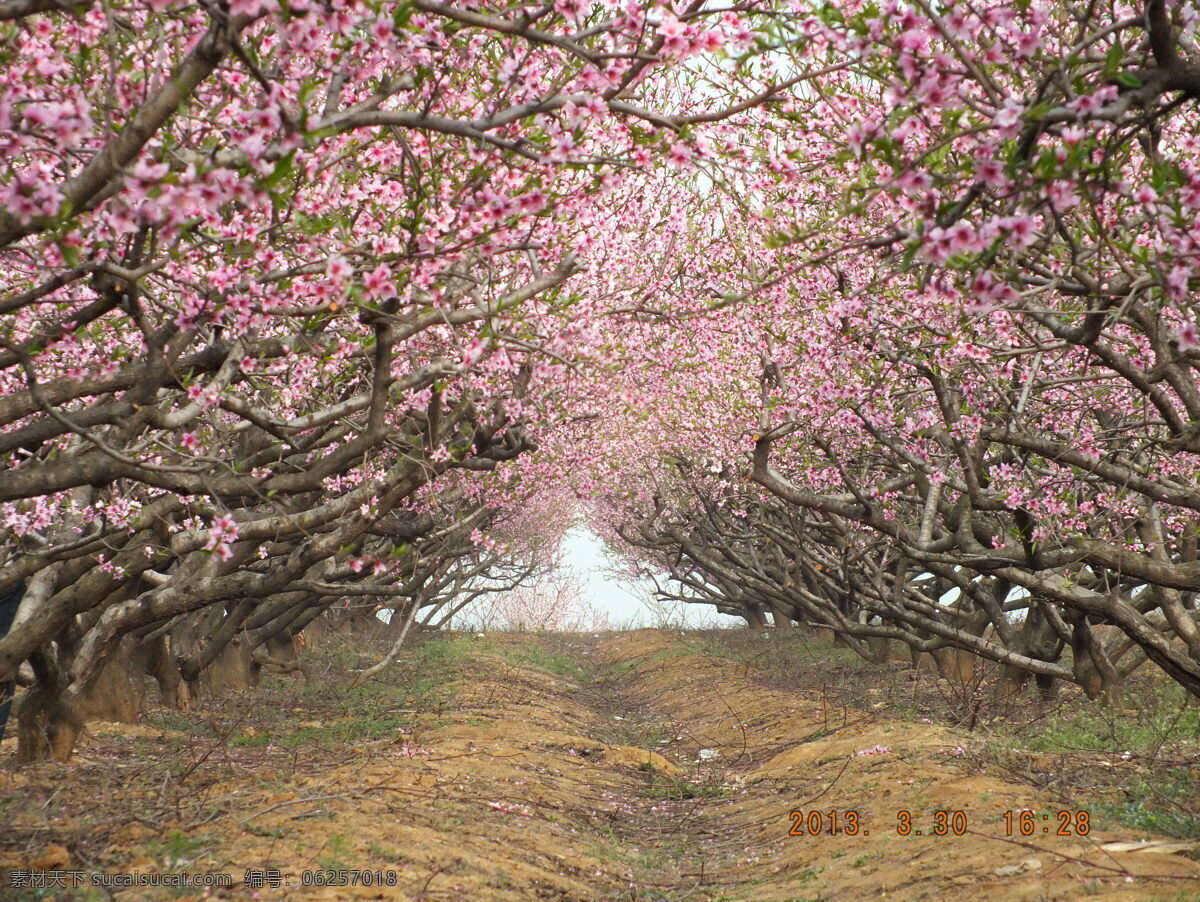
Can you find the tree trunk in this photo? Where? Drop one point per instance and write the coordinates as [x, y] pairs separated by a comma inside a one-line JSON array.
[[163, 665], [118, 693], [782, 618], [953, 664], [1093, 668], [48, 725], [234, 669], [316, 631], [1039, 640], [881, 649], [9, 602]]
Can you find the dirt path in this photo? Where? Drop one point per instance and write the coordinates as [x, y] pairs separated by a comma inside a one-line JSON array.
[[627, 768]]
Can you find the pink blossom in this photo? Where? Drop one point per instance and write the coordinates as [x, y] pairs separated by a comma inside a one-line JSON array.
[[253, 8], [1028, 43], [679, 155], [382, 30], [1062, 194], [1145, 195], [1022, 229], [671, 27], [562, 147], [860, 133], [378, 283], [913, 181], [709, 41], [991, 173], [1008, 118], [224, 530], [338, 268], [962, 238], [1073, 134], [533, 201], [1177, 280], [474, 351], [873, 750], [572, 10], [1090, 104]]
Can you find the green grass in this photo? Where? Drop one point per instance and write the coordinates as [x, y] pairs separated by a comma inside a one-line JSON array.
[[681, 648], [1163, 715], [179, 721], [1160, 720], [558, 663], [618, 668], [386, 854], [864, 859], [445, 651], [178, 850], [677, 789], [420, 683], [795, 646], [1156, 803], [650, 736], [266, 832], [335, 858]]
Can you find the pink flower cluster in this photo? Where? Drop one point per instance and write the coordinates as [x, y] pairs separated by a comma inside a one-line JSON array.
[[873, 750], [222, 533]]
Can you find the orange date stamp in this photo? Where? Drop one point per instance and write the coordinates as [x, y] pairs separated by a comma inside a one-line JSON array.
[[940, 822]]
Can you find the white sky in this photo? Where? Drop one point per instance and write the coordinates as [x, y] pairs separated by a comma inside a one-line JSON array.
[[619, 602], [624, 600]]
